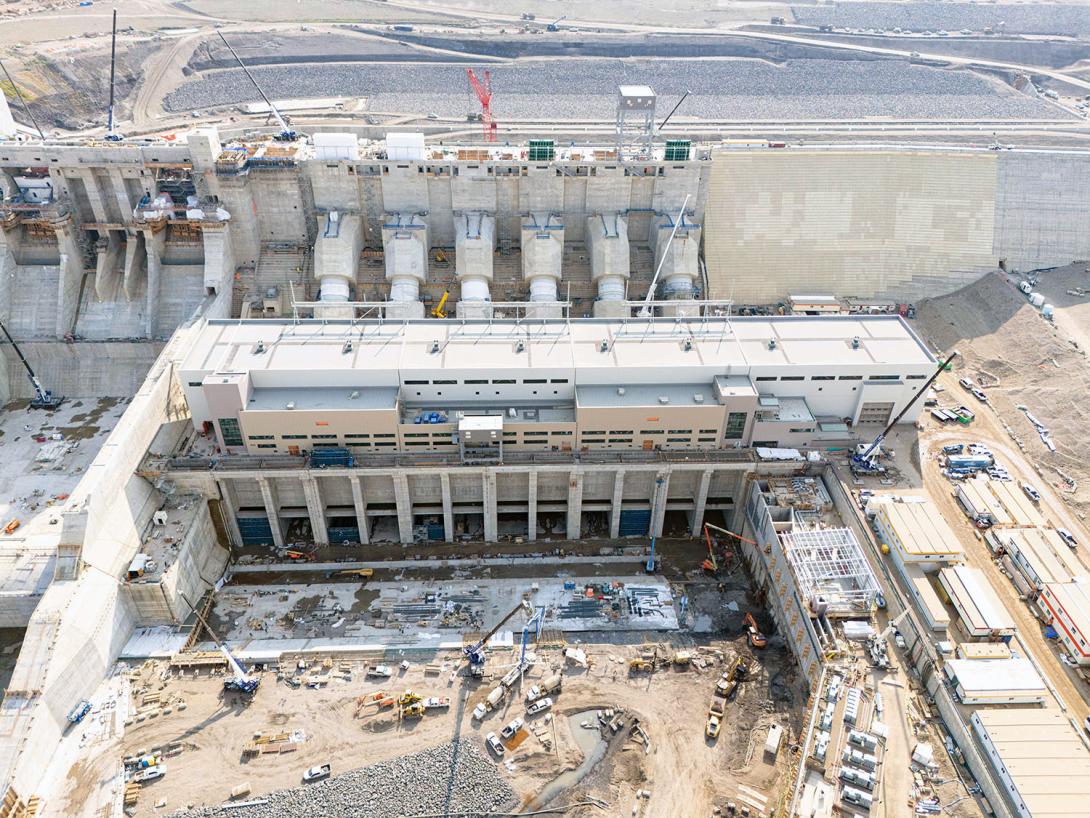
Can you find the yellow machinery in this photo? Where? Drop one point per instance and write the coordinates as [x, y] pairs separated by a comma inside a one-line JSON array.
[[408, 698], [364, 573], [637, 665], [412, 711], [438, 311]]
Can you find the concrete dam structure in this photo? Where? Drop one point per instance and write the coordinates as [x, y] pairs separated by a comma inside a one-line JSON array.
[[123, 242], [374, 344]]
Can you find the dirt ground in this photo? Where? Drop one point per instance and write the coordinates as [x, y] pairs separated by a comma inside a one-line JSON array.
[[685, 773], [1040, 365]]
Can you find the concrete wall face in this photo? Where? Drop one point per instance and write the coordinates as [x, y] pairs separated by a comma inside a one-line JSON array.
[[1042, 202], [108, 369], [899, 224]]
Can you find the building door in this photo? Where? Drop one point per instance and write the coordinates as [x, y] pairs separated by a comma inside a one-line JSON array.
[[875, 413]]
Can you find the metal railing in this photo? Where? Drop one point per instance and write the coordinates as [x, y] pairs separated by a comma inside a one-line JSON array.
[[408, 460]]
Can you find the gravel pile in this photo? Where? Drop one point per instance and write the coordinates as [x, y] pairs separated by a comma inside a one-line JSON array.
[[928, 16], [453, 777], [565, 89]]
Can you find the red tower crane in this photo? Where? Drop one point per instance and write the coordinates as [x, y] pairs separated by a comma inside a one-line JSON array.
[[484, 94]]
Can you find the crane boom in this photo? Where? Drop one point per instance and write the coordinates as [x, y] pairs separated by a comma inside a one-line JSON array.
[[240, 680], [43, 398], [893, 623], [646, 311], [110, 135], [863, 460], [286, 133], [483, 90], [475, 652]]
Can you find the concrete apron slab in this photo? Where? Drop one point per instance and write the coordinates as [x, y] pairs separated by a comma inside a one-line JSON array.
[[261, 622]]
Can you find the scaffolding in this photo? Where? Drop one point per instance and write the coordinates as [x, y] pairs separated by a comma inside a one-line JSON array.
[[635, 122], [831, 569]]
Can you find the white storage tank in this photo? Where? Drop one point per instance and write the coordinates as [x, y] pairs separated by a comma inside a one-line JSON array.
[[1036, 299]]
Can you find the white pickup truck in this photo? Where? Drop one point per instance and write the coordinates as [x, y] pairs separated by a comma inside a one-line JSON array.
[[317, 773]]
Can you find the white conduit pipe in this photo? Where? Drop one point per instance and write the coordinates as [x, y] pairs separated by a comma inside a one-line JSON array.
[[678, 287], [334, 288], [475, 289], [405, 288], [611, 288], [543, 288]]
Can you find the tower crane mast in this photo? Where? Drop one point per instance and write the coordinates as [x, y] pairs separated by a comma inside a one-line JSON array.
[[483, 90]]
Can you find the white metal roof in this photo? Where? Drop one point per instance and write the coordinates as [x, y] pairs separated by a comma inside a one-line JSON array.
[[922, 530], [981, 677], [1042, 755], [1045, 554], [651, 346], [975, 600]]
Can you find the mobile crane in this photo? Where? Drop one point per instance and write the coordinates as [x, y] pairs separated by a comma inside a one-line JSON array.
[[475, 652], [240, 680], [43, 398], [865, 460], [286, 133], [879, 650]]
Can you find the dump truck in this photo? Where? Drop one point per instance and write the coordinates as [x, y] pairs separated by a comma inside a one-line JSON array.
[[638, 665], [715, 718]]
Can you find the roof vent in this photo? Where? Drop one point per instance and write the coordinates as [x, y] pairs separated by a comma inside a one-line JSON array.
[[347, 347], [620, 390], [259, 348], [664, 399], [771, 343], [354, 394], [519, 345], [687, 344], [698, 397], [512, 412], [855, 342], [604, 346], [435, 346], [290, 405]]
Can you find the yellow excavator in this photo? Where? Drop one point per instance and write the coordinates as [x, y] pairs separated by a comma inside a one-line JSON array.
[[439, 310]]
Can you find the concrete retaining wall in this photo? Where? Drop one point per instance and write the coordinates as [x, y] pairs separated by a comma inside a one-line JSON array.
[[79, 369], [81, 624]]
